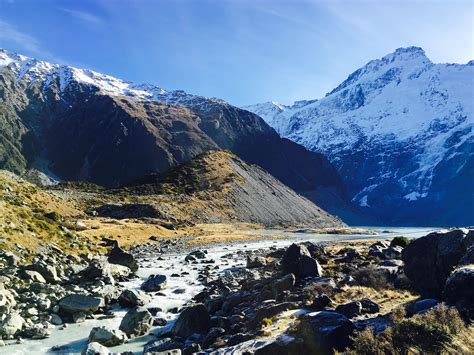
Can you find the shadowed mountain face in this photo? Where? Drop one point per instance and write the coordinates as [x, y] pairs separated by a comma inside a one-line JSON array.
[[76, 124]]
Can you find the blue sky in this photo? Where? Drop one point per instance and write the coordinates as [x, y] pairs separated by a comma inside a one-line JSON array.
[[242, 51]]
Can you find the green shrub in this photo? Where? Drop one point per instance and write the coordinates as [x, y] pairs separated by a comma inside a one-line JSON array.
[[400, 242]]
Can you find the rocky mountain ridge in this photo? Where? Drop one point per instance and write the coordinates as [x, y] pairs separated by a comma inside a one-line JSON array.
[[74, 124]]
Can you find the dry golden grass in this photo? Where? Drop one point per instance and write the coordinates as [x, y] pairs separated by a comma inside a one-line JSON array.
[[387, 299]]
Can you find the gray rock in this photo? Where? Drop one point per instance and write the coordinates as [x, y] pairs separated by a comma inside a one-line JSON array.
[[11, 325], [162, 345], [136, 322], [154, 283], [107, 336], [97, 270], [321, 301], [424, 305], [133, 298], [194, 319], [321, 332], [79, 317], [429, 260], [197, 254], [119, 256], [297, 260], [369, 306], [56, 320], [80, 303], [49, 272], [350, 309], [393, 252], [459, 290], [284, 284], [95, 349]]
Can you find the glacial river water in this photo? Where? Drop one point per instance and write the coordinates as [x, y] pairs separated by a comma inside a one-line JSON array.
[[180, 290]]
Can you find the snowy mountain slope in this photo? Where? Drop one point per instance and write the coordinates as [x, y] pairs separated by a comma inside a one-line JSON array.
[[400, 131]]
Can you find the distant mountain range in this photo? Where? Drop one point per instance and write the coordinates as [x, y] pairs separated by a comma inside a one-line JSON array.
[[64, 123], [400, 132]]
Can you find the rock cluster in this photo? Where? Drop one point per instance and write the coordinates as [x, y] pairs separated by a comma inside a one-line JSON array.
[[439, 265], [55, 289]]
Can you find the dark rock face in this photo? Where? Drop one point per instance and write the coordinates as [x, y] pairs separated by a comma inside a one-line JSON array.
[[133, 298], [154, 283], [298, 260], [430, 260], [194, 319], [324, 331], [424, 305], [136, 322], [350, 309], [121, 257], [97, 270], [284, 284], [459, 290]]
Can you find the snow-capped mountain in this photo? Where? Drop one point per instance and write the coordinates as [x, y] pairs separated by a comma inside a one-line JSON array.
[[400, 131], [77, 124], [32, 71]]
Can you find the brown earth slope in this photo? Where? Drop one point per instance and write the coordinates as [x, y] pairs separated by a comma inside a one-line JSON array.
[[227, 189]]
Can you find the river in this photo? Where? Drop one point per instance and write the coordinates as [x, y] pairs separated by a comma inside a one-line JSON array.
[[180, 290]]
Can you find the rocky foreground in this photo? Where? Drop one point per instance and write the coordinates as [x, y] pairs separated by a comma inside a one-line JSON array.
[[391, 296]]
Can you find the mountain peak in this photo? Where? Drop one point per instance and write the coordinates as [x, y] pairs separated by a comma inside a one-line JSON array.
[[406, 53]]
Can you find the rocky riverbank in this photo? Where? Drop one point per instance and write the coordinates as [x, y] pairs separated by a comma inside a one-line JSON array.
[[278, 297]]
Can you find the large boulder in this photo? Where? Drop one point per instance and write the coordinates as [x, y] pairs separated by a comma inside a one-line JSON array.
[[119, 256], [297, 260], [429, 260], [194, 319], [350, 309], [107, 336], [459, 290], [136, 322], [76, 303], [97, 270], [154, 283], [133, 298], [321, 332], [11, 325], [49, 272], [284, 284]]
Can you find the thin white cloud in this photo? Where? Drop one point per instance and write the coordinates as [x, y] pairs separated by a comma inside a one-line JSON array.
[[84, 16], [9, 33]]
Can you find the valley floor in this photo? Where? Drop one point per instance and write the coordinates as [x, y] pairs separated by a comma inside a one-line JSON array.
[[228, 249]]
